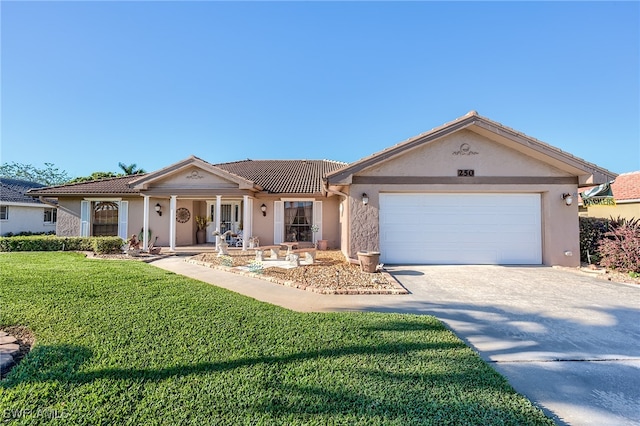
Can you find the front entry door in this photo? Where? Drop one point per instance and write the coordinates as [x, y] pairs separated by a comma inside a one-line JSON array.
[[230, 218]]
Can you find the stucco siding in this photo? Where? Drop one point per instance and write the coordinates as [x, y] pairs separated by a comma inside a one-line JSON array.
[[25, 219], [463, 150], [624, 210], [559, 221], [193, 177]]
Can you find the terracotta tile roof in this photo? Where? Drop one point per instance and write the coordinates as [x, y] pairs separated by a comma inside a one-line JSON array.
[[13, 191], [284, 176], [110, 186], [627, 186], [275, 176]]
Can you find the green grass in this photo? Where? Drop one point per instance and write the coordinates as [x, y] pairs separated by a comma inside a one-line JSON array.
[[121, 342]]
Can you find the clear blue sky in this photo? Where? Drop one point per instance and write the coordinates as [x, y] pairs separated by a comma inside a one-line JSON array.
[[86, 85]]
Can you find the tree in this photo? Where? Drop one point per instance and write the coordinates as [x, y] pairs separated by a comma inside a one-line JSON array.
[[48, 175], [94, 176], [131, 169]]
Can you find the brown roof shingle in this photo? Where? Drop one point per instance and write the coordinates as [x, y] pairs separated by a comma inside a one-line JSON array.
[[284, 176], [110, 186], [274, 176]]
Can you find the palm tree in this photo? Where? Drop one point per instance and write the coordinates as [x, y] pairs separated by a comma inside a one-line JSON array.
[[131, 169]]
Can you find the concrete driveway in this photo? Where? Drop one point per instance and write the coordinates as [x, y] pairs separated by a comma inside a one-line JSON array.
[[568, 342]]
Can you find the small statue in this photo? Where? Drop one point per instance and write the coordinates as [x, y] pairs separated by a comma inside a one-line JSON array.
[[134, 243]]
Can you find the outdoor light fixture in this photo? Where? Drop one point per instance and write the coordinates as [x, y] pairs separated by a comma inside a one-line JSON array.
[[159, 209], [365, 199], [568, 199], [264, 210]]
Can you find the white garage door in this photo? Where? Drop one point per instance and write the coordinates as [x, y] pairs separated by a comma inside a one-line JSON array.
[[460, 229]]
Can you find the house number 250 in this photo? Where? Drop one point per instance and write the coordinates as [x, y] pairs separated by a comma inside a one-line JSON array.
[[466, 172]]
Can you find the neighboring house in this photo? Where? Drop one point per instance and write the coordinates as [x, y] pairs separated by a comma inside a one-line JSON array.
[[469, 192], [626, 193], [22, 213]]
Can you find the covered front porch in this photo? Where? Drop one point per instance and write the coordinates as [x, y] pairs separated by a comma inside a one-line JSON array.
[[177, 222]]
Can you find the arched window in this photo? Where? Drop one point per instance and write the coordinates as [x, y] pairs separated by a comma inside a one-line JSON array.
[[105, 218]]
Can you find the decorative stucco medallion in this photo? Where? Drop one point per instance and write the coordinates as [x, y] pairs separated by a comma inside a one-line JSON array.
[[465, 149], [183, 215], [195, 175]]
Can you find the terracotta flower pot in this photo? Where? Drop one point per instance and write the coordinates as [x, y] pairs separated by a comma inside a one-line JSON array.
[[369, 260]]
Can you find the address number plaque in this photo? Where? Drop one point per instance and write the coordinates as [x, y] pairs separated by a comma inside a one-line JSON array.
[[466, 172]]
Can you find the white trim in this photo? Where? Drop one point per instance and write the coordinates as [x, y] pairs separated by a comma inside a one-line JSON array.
[[50, 222], [85, 218], [102, 199], [123, 219], [172, 222], [278, 222], [298, 199], [145, 222], [637, 200], [7, 218], [317, 220], [218, 211], [16, 204]]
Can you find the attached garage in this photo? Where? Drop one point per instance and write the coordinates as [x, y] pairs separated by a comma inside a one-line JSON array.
[[460, 228], [471, 191]]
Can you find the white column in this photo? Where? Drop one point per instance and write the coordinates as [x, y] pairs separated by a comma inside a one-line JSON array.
[[246, 220], [218, 210], [145, 224], [172, 223]]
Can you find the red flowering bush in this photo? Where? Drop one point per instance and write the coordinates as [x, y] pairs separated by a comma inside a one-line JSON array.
[[620, 247]]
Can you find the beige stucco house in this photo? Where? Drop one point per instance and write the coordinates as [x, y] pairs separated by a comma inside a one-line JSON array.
[[469, 192]]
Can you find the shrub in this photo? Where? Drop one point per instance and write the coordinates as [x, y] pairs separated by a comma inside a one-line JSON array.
[[620, 249], [592, 229], [102, 245], [52, 243]]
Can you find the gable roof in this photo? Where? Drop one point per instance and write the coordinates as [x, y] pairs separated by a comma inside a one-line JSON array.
[[272, 176], [193, 161], [627, 186], [14, 190], [588, 173]]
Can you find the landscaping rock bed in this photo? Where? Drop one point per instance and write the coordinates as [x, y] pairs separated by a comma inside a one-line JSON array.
[[331, 273]]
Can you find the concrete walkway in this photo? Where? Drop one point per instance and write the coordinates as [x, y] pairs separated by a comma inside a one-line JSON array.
[[568, 342]]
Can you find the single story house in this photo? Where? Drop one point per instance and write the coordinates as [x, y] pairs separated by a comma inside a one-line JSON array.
[[626, 194], [471, 191], [22, 213]]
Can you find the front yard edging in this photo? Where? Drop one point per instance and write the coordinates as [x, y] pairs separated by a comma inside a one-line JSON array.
[[398, 288]]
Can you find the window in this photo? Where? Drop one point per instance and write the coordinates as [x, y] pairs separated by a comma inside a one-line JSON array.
[[105, 218], [50, 215], [4, 212], [298, 218]]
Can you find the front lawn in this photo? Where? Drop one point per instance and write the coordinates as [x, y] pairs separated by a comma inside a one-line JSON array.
[[121, 342]]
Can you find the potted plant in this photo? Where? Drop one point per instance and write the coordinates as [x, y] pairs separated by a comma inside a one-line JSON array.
[[369, 260], [201, 234]]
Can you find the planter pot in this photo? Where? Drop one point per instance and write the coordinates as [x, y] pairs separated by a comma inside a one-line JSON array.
[[201, 236], [369, 260], [322, 244]]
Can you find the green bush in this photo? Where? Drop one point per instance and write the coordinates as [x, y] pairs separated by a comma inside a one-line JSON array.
[[98, 245], [592, 229], [103, 245]]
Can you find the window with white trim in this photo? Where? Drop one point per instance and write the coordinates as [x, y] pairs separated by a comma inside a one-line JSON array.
[[4, 212], [50, 215], [298, 220], [105, 218]]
